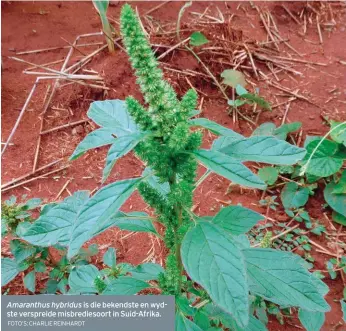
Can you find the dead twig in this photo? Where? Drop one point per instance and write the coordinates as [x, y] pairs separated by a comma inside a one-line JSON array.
[[64, 126], [33, 179], [30, 174]]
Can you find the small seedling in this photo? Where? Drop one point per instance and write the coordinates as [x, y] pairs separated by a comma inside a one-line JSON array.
[[101, 6]]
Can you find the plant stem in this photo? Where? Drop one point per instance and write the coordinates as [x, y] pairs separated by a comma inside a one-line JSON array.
[[178, 211]]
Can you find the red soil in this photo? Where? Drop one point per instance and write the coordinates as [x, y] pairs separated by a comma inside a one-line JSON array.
[[43, 24]]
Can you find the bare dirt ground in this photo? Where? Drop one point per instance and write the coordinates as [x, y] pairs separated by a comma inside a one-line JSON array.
[[50, 24]]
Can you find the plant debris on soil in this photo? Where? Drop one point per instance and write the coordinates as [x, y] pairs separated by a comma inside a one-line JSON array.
[[292, 52]]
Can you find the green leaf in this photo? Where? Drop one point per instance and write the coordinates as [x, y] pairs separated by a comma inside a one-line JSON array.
[[9, 270], [293, 196], [213, 260], [134, 221], [264, 149], [323, 162], [30, 281], [101, 6], [215, 128], [343, 308], [198, 39], [281, 278], [40, 266], [21, 250], [184, 324], [183, 304], [97, 138], [229, 168], [120, 147], [338, 218], [237, 219], [125, 286], [312, 321], [154, 182], [32, 204], [147, 271], [110, 258], [233, 78], [55, 225], [240, 90], [282, 131], [257, 99], [268, 174], [265, 129], [130, 223], [228, 321], [336, 201], [223, 141], [82, 279], [237, 102], [340, 187], [113, 114], [339, 134], [98, 210]]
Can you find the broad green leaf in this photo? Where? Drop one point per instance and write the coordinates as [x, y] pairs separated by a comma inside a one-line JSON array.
[[224, 141], [30, 281], [97, 138], [228, 321], [154, 182], [338, 218], [214, 127], [282, 131], [336, 201], [213, 260], [147, 271], [198, 39], [340, 187], [323, 163], [233, 78], [264, 149], [257, 99], [82, 279], [293, 196], [125, 286], [110, 258], [120, 147], [268, 174], [265, 129], [55, 225], [269, 129], [229, 168], [343, 308], [98, 210], [9, 270], [280, 277], [139, 219], [184, 324], [237, 219], [113, 114], [21, 250], [136, 221], [312, 321], [339, 134]]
